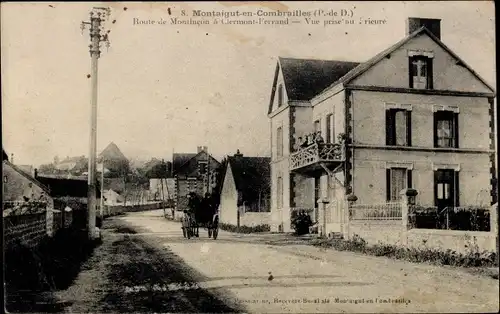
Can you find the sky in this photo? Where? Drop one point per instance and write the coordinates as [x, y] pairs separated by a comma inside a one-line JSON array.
[[170, 88]]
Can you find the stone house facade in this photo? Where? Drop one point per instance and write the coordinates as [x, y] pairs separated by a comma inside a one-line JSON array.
[[413, 116]]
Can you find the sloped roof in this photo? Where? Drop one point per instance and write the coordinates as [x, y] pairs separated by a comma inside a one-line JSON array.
[[112, 152], [365, 66], [183, 168], [27, 176], [178, 160], [305, 78], [251, 176], [26, 168], [60, 187]]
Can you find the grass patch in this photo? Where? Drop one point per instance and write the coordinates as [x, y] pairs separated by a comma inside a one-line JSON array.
[[52, 265], [473, 258], [244, 229]]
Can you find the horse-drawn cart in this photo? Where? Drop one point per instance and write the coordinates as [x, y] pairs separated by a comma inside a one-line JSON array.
[[201, 213]]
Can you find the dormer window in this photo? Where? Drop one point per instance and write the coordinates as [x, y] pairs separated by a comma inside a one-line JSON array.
[[420, 68]]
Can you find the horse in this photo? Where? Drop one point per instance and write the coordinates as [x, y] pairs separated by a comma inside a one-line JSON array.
[[204, 214]]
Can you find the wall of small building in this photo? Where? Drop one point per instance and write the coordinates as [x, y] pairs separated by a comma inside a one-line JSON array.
[[18, 186], [229, 200], [252, 219], [280, 168]]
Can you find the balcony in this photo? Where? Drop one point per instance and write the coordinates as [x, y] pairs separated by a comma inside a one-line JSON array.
[[310, 158]]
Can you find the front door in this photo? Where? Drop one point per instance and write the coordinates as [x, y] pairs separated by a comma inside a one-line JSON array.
[[445, 194]]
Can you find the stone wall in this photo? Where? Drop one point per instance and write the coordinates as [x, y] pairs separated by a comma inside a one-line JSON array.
[[29, 229], [253, 219], [115, 210], [376, 231], [394, 233]]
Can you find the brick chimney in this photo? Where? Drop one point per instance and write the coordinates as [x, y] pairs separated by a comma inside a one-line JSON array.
[[201, 149], [238, 154], [415, 23]]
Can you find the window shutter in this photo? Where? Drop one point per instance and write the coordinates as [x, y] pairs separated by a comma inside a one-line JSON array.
[[409, 178], [455, 129], [430, 74], [436, 177], [457, 189], [388, 183], [410, 72], [389, 127], [408, 127], [435, 129]]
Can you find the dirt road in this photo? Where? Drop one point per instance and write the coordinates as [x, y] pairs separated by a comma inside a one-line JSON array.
[[309, 279]]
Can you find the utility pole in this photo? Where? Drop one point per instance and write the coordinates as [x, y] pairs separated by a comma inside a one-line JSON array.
[[97, 17], [101, 208]]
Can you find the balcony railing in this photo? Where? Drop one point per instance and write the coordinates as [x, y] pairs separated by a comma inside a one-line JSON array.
[[315, 153]]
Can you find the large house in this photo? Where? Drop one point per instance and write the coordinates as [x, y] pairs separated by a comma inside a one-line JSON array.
[[193, 173], [415, 115], [246, 191]]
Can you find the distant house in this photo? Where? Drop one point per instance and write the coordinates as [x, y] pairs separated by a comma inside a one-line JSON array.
[[114, 161], [246, 191], [23, 194], [193, 173], [72, 193], [112, 197], [68, 164]]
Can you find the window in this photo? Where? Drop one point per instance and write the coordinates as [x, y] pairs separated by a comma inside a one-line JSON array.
[[330, 129], [446, 185], [446, 129], [279, 192], [398, 127], [280, 95], [191, 184], [279, 142], [317, 190], [317, 126], [421, 72], [202, 167], [397, 179]]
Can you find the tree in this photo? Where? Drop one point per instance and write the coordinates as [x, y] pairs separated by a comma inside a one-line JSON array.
[[47, 169]]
